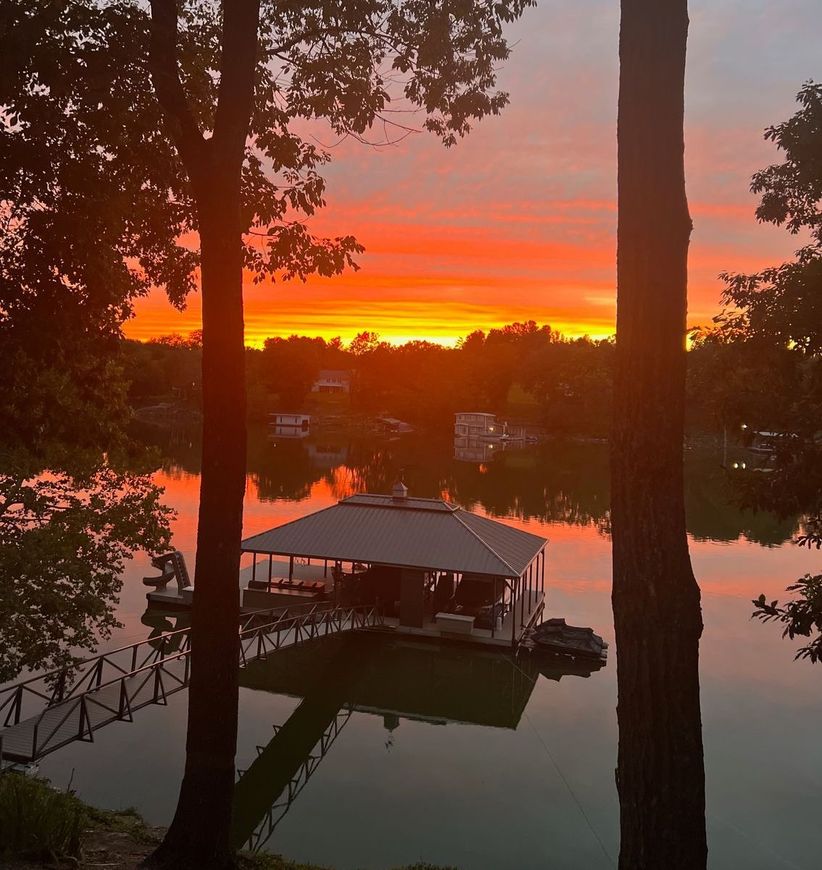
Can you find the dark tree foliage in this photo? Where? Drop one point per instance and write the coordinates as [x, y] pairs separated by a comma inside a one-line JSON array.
[[802, 616], [64, 540], [784, 303], [736, 381], [776, 316], [92, 203], [289, 367]]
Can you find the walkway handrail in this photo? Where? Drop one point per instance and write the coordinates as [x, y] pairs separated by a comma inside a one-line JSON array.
[[317, 621], [91, 669], [247, 616]]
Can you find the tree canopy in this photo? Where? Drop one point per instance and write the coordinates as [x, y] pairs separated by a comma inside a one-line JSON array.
[[783, 304]]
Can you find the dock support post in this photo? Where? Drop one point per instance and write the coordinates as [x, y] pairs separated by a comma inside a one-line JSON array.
[[494, 609], [514, 613]]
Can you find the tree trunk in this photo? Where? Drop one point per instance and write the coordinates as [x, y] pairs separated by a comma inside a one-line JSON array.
[[660, 774], [199, 835]]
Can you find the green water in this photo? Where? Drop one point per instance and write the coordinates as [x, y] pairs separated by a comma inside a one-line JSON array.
[[420, 752]]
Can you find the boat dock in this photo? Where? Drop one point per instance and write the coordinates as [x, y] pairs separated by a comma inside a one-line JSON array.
[[433, 569]]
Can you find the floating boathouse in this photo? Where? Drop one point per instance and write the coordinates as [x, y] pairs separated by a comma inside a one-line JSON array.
[[433, 568]]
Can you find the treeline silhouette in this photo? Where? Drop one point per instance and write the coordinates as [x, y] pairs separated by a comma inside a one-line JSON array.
[[525, 371]]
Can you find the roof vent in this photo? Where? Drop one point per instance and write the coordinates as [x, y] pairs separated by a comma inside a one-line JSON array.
[[399, 491]]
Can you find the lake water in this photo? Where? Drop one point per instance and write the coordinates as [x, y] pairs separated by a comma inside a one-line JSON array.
[[459, 758]]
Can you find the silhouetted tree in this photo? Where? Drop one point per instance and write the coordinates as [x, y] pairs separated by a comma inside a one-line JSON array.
[[334, 62], [778, 314], [290, 367], [782, 304], [660, 773]]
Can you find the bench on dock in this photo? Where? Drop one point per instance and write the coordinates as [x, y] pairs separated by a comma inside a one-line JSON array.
[[278, 583]]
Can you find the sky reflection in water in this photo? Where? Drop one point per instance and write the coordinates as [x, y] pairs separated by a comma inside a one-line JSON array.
[[541, 794]]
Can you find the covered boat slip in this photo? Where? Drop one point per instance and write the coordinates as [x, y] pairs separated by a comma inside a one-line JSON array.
[[434, 569]]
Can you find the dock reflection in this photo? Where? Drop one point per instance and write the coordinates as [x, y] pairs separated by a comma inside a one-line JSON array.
[[392, 678]]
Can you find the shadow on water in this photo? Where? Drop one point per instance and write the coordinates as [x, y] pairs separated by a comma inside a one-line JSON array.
[[395, 679]]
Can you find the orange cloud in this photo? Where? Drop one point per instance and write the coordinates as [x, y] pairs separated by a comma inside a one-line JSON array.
[[519, 220]]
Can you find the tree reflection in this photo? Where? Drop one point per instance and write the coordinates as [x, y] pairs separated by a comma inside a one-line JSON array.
[[65, 536], [553, 482]]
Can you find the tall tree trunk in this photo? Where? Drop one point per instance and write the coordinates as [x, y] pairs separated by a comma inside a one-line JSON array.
[[199, 835], [660, 774]]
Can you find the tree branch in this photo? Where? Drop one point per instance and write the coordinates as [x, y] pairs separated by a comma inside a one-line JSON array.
[[238, 64], [165, 75]]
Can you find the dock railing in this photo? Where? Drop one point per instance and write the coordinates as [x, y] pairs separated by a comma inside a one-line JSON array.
[[45, 712]]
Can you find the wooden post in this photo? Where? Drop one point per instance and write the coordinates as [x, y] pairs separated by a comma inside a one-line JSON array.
[[290, 568]]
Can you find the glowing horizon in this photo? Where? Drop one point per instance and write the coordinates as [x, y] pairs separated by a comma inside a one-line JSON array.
[[518, 221]]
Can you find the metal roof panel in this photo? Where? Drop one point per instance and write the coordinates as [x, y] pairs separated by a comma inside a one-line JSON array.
[[417, 533]]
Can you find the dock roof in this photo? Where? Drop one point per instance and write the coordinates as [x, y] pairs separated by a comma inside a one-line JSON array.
[[425, 533]]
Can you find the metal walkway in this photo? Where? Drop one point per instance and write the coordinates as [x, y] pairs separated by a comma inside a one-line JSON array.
[[43, 713]]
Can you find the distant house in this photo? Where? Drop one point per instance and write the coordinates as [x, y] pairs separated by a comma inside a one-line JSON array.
[[290, 425], [332, 381], [475, 424]]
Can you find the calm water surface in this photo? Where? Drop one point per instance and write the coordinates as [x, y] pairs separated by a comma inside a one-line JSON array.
[[464, 759]]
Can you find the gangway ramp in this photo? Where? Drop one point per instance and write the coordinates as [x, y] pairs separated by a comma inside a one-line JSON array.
[[46, 712]]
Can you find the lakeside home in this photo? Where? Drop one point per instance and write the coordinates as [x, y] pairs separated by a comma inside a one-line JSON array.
[[477, 425], [332, 381]]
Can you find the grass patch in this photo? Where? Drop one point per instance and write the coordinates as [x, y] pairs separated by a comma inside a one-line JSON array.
[[37, 822], [127, 821], [46, 827]]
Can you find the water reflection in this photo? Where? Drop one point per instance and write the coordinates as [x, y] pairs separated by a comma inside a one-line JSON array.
[[65, 536], [552, 482], [551, 781], [394, 679]]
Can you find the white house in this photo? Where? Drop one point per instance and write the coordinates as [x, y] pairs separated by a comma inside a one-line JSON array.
[[332, 381], [476, 424]]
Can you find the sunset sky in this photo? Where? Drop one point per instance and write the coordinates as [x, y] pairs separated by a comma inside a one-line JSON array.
[[519, 220]]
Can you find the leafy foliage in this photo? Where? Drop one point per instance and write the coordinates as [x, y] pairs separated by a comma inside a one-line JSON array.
[[96, 208], [777, 314], [802, 616], [784, 303], [64, 541]]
